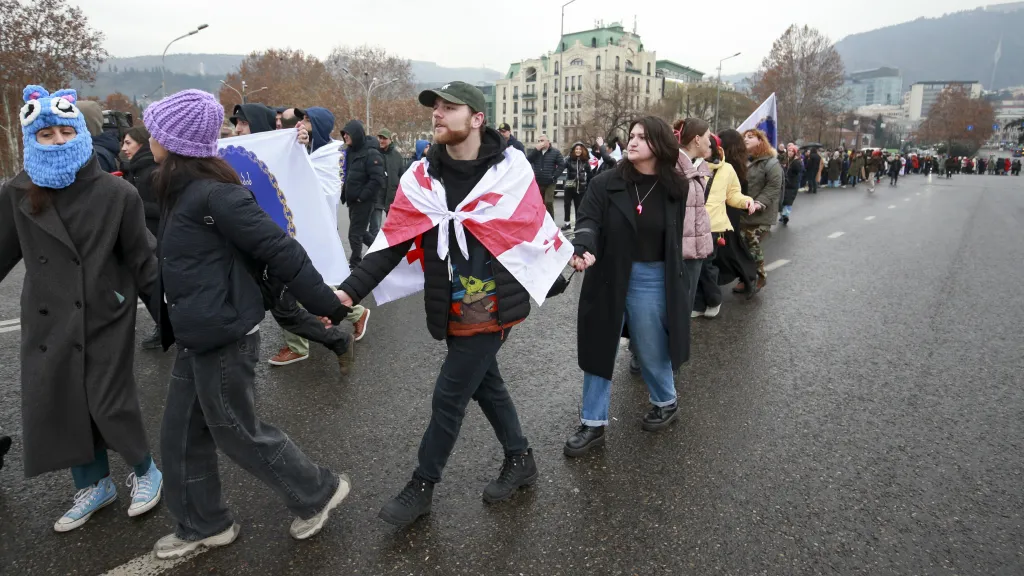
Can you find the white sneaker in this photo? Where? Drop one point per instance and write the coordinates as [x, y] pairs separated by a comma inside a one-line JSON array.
[[712, 311], [302, 529], [171, 546], [696, 314]]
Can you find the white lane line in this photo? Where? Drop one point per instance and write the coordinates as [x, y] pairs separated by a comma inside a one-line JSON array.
[[775, 265], [15, 325], [147, 565], [906, 199], [9, 322], [917, 193], [869, 218], [6, 329], [891, 206], [836, 234]]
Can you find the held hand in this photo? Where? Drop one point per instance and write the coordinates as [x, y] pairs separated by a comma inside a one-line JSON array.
[[751, 207], [303, 136], [344, 298], [759, 206], [581, 263], [326, 321]]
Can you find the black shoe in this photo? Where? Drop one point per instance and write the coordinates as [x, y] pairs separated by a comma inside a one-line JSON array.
[[566, 227], [411, 503], [751, 289], [634, 365], [785, 220], [517, 471], [153, 342], [5, 445], [660, 417], [584, 440]]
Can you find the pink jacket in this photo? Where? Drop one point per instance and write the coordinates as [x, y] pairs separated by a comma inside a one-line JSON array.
[[697, 241]]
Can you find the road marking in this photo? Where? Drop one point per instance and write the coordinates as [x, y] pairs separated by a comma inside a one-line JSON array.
[[775, 265], [9, 322], [891, 206], [917, 193], [870, 218], [836, 234], [15, 325], [906, 199], [6, 329], [147, 565]]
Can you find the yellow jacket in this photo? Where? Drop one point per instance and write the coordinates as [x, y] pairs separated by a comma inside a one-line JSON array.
[[725, 188]]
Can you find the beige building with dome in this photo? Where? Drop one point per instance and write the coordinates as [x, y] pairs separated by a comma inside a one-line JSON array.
[[554, 94]]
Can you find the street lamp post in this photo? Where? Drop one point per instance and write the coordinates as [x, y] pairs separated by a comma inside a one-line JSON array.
[[243, 93], [369, 87], [718, 88], [163, 68], [561, 52]]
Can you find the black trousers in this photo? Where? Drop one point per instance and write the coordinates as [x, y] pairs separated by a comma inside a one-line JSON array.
[[295, 319], [470, 372], [571, 198], [708, 293], [812, 185], [359, 214]]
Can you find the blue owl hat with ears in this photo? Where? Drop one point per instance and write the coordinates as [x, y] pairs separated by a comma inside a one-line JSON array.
[[53, 166]]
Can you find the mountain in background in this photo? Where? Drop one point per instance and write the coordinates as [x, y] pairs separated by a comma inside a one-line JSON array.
[[139, 76], [958, 46]]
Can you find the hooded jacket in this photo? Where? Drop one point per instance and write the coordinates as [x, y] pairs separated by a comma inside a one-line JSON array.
[[323, 124], [364, 167], [697, 242], [104, 144], [259, 117], [511, 301], [421, 145], [394, 166]]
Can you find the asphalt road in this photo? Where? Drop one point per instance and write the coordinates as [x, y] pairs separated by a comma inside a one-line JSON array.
[[863, 415]]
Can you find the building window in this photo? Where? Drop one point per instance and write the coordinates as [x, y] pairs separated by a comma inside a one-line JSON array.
[[593, 42], [504, 108], [598, 67], [573, 82], [648, 86], [609, 41], [515, 107], [579, 81], [616, 62], [545, 105], [515, 122], [531, 74], [616, 81], [545, 89], [555, 121], [515, 91], [504, 93], [566, 84], [556, 69], [544, 122], [554, 135], [648, 68], [576, 62], [629, 64]]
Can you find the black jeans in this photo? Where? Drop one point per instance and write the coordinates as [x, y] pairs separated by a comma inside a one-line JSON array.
[[470, 371], [812, 185], [209, 408], [571, 198], [708, 293], [295, 319], [359, 215]]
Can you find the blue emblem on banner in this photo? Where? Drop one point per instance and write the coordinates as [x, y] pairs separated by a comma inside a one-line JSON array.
[[261, 182]]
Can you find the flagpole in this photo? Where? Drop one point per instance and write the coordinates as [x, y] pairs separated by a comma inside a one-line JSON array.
[[995, 62]]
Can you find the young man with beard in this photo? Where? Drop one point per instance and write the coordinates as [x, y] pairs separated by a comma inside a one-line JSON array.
[[472, 301]]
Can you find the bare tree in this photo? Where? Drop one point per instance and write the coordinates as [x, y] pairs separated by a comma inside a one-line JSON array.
[[698, 101], [46, 42], [956, 118], [806, 74], [608, 110], [355, 69]]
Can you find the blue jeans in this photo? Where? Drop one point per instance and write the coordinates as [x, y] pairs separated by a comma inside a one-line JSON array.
[[787, 210], [647, 316], [833, 184]]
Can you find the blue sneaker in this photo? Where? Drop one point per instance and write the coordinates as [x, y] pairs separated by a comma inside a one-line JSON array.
[[146, 490], [87, 501]]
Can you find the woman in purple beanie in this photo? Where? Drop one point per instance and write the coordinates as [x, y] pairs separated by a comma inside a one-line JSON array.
[[214, 237]]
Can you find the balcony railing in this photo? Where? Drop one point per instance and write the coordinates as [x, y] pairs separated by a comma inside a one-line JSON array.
[[529, 110], [633, 70], [529, 125], [530, 96], [515, 96]]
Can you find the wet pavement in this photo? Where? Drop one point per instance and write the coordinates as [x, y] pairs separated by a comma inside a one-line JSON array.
[[863, 415]]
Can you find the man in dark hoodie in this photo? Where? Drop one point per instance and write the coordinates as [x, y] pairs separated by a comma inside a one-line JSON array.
[[363, 181], [506, 132], [253, 119], [104, 144], [473, 325], [394, 166]]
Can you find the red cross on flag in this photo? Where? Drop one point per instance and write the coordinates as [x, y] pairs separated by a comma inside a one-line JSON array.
[[505, 212]]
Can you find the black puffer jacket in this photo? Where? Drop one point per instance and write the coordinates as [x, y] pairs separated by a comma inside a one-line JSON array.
[[513, 299], [364, 167], [211, 240], [578, 169], [547, 165], [140, 172]]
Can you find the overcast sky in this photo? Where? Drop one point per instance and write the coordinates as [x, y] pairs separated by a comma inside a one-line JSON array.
[[492, 34]]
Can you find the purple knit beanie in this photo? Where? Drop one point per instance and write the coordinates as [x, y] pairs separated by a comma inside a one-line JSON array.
[[187, 123]]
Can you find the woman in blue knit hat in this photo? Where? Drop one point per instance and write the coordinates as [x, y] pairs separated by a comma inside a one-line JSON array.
[[214, 237], [88, 258]]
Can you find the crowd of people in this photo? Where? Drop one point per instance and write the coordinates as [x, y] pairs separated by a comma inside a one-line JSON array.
[[662, 222]]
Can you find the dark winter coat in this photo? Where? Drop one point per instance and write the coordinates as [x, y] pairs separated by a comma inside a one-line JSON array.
[[606, 228], [514, 143], [579, 169], [513, 299], [213, 239], [140, 172], [87, 260], [364, 168], [813, 164], [322, 122], [260, 118], [764, 184], [394, 167], [547, 165], [835, 166], [794, 172], [107, 149]]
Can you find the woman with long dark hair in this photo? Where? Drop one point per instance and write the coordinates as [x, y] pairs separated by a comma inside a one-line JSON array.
[[578, 174], [139, 171], [81, 235], [630, 239], [214, 238], [733, 260]]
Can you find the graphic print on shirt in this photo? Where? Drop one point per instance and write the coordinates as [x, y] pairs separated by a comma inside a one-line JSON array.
[[474, 301]]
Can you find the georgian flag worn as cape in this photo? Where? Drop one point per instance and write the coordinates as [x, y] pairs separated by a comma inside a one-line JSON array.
[[505, 212]]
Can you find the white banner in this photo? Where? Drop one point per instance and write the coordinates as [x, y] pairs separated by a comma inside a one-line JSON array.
[[277, 170]]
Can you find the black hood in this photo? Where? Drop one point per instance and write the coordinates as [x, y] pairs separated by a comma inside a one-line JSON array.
[[492, 151], [259, 117], [355, 130], [107, 141]]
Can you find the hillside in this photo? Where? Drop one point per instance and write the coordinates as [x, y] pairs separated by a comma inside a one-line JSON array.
[[958, 46], [140, 75]]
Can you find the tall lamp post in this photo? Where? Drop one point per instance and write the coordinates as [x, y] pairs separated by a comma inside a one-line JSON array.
[[163, 68], [242, 94], [561, 51], [369, 87], [718, 88]]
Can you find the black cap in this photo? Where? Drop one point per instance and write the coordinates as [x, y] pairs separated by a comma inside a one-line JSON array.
[[456, 93], [504, 127], [299, 113], [238, 114]]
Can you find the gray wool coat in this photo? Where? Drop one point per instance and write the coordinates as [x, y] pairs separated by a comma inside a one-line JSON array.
[[88, 255]]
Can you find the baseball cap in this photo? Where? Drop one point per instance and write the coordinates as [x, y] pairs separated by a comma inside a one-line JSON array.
[[456, 93], [386, 133], [238, 114], [504, 127], [300, 113]]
